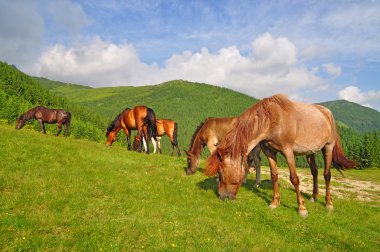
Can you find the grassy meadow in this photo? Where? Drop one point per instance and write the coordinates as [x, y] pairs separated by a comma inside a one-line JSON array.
[[60, 194]]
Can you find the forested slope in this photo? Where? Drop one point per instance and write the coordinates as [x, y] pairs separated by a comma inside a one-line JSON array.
[[19, 92]]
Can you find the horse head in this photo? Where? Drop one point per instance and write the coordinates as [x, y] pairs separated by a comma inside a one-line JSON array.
[[192, 162], [111, 137], [21, 122], [230, 173]]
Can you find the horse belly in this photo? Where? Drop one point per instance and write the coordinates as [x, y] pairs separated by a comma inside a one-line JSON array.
[[307, 149]]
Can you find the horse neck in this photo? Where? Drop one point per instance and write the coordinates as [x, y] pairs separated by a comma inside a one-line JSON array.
[[30, 114], [197, 145]]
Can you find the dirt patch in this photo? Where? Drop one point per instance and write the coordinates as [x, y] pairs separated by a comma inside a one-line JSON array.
[[340, 187]]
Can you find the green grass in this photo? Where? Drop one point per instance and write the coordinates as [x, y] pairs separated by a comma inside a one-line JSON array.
[[64, 194]]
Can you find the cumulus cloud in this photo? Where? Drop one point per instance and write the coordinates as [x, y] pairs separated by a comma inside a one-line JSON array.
[[97, 63], [23, 24], [271, 67], [354, 94], [332, 69]]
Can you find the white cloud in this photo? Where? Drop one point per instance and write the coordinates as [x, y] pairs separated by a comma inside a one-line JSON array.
[[270, 68], [23, 24], [98, 63], [354, 94], [332, 69]]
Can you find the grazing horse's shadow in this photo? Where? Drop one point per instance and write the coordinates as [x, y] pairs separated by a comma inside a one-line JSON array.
[[265, 191], [209, 184]]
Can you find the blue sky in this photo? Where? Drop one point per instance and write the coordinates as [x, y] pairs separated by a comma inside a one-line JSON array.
[[313, 51]]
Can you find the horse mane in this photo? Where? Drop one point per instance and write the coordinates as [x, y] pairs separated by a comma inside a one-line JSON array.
[[29, 114], [199, 127], [212, 165], [236, 141], [113, 124]]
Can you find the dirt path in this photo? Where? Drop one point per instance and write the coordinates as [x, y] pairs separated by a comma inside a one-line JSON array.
[[340, 187]]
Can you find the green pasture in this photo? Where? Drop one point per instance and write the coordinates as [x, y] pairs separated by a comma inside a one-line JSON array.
[[65, 194]]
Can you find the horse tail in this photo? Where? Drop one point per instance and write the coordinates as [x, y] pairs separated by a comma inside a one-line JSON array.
[[113, 124], [150, 122], [175, 141], [340, 161]]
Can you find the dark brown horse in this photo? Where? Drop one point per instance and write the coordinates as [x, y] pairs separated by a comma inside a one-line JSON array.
[[279, 125], [45, 115], [140, 118], [164, 127], [209, 133]]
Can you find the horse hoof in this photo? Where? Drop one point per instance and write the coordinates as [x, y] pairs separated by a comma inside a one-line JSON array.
[[313, 199], [303, 212], [256, 186], [273, 206], [329, 207]]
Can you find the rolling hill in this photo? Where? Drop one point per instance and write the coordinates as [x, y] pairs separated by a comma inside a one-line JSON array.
[[360, 118], [185, 102]]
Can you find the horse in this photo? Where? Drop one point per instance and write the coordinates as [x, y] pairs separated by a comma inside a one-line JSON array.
[[279, 125], [140, 118], [45, 115], [209, 133], [164, 127]]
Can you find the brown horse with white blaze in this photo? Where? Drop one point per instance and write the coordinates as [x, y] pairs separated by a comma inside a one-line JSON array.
[[209, 133], [140, 118], [164, 127], [279, 125], [45, 115]]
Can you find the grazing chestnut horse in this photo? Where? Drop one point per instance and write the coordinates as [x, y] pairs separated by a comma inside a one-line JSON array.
[[209, 133], [164, 127], [45, 115], [279, 125], [140, 118]]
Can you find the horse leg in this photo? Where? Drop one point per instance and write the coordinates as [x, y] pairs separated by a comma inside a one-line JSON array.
[[257, 164], [314, 171], [141, 142], [42, 126], [159, 144], [289, 155], [144, 143], [128, 135], [154, 145], [172, 148], [327, 154], [272, 159], [59, 128], [178, 151]]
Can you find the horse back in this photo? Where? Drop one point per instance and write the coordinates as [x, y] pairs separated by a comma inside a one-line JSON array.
[[312, 127], [216, 128]]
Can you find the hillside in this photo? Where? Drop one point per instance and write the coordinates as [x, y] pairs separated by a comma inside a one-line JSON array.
[[360, 118], [20, 92], [63, 194], [185, 102]]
